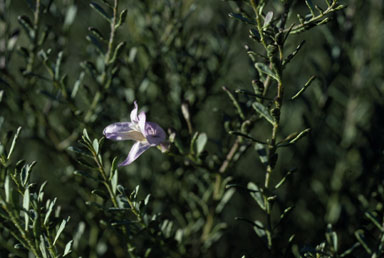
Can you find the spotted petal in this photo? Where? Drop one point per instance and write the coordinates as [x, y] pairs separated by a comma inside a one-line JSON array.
[[137, 149]]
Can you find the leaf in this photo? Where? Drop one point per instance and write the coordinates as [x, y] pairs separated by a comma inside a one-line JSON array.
[[42, 247], [50, 205], [262, 151], [25, 173], [263, 111], [122, 18], [7, 189], [101, 11], [79, 151], [117, 51], [68, 247], [201, 142], [41, 193], [282, 181], [113, 168], [95, 32], [350, 250], [331, 237], [294, 53], [306, 85], [26, 200], [235, 102], [262, 68], [114, 181], [256, 194], [359, 234], [225, 199], [245, 136], [285, 213], [77, 84], [311, 7], [374, 220], [13, 143], [267, 19], [95, 41], [84, 174], [95, 146], [27, 26], [296, 136], [146, 200], [85, 136], [240, 17], [58, 64], [61, 228], [70, 16]]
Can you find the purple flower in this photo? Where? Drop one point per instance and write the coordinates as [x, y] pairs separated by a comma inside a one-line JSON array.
[[146, 134]]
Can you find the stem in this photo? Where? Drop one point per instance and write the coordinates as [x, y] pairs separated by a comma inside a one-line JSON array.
[[23, 233], [107, 59], [112, 195], [304, 25]]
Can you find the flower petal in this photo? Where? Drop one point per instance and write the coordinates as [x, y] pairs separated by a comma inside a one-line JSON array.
[[154, 133], [142, 119], [122, 131], [137, 149], [134, 117]]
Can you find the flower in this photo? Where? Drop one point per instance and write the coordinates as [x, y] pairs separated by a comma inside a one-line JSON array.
[[146, 134]]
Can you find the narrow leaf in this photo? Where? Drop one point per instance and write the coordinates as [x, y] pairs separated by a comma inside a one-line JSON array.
[[58, 64], [117, 51], [85, 135], [43, 248], [294, 138], [7, 188], [240, 17], [306, 85], [70, 16], [27, 26], [95, 146], [235, 103], [374, 220], [264, 69], [122, 18], [114, 181], [262, 151], [201, 142], [294, 53], [77, 85], [311, 7], [49, 210], [282, 181], [68, 247], [331, 237], [267, 19], [245, 136], [359, 234], [26, 200], [95, 32], [263, 111], [101, 11], [13, 143], [256, 194], [61, 228], [225, 199]]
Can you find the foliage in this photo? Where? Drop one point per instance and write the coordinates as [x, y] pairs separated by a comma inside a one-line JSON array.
[[273, 117]]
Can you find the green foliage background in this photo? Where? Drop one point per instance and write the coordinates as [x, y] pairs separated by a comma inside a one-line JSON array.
[[181, 53]]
